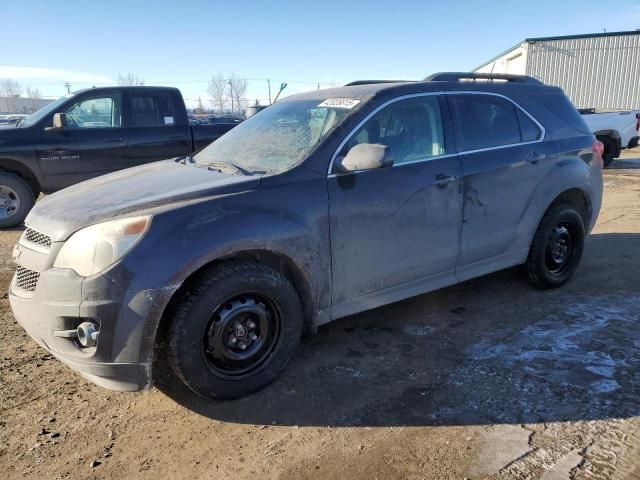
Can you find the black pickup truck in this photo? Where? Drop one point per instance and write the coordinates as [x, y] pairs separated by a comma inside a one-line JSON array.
[[90, 133]]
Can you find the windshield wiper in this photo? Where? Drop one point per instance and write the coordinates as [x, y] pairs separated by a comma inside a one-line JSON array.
[[184, 160], [228, 166]]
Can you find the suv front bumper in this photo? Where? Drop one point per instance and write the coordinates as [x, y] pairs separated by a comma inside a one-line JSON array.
[[61, 300]]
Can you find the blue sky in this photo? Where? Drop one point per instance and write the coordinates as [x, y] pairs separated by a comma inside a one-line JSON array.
[[46, 43]]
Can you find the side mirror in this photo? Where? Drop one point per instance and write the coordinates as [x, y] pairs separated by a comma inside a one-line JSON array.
[[366, 156], [59, 122]]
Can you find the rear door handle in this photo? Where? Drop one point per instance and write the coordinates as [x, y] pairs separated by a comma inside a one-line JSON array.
[[443, 180], [534, 157]]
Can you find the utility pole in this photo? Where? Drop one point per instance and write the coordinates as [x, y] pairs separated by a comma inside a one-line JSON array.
[[231, 93], [269, 85], [68, 85], [318, 85]]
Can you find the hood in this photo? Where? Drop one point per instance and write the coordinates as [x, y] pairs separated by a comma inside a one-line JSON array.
[[132, 191]]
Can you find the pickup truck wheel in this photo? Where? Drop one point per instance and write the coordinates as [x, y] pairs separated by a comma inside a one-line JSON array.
[[16, 199], [557, 248], [234, 330], [610, 148]]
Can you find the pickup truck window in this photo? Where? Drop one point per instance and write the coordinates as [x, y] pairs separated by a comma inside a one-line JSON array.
[[104, 111], [152, 109], [277, 138], [49, 109], [411, 128]]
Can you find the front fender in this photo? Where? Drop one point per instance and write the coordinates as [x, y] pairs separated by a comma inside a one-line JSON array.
[[289, 222]]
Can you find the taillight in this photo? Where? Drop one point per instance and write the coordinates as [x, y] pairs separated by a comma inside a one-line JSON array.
[[638, 122], [598, 151]]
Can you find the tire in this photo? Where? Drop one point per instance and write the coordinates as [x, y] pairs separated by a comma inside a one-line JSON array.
[[16, 200], [549, 264], [610, 150], [249, 302]]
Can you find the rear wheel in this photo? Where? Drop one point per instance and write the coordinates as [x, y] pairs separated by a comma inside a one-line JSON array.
[[557, 248], [610, 150], [235, 330], [16, 200]]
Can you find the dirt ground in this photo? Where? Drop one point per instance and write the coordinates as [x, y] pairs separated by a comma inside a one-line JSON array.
[[487, 379]]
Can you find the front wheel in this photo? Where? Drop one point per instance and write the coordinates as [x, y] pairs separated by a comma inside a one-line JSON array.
[[557, 248], [16, 200], [234, 330]]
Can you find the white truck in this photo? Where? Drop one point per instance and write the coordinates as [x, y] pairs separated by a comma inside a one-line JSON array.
[[616, 130]]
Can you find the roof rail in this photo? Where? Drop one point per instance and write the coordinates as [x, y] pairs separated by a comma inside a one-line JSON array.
[[372, 82], [473, 76]]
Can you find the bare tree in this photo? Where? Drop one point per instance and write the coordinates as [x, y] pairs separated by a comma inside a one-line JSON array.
[[217, 90], [200, 107], [129, 79], [34, 96], [10, 89], [238, 91]]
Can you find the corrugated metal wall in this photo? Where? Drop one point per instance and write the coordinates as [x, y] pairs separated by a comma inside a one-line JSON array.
[[598, 72]]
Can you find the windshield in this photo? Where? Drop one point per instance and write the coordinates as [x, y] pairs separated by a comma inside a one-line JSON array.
[[43, 112], [277, 138]]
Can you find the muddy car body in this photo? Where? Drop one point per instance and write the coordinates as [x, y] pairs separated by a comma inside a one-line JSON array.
[[322, 205]]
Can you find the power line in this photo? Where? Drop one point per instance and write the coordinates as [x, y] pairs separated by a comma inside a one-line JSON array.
[[177, 82]]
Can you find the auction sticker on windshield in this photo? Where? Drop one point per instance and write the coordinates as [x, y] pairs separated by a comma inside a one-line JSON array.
[[340, 102]]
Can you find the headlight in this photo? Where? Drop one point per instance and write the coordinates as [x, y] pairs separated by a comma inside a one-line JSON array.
[[93, 249]]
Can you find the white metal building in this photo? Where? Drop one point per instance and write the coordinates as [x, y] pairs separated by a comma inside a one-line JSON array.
[[600, 70]]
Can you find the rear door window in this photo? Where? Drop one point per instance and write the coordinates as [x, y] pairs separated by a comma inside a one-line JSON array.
[[151, 109], [529, 131], [486, 121]]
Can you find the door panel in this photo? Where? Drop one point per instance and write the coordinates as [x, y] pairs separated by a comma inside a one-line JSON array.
[[393, 229], [154, 132], [91, 144], [392, 226], [498, 186], [504, 158]]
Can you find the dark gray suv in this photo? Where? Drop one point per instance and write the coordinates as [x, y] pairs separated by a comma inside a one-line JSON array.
[[322, 205]]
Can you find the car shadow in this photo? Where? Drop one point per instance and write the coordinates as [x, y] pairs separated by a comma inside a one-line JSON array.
[[490, 350], [624, 164]]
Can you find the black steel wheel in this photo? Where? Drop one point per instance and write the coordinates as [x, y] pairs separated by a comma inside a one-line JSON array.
[[560, 248], [241, 335], [557, 247], [233, 329]]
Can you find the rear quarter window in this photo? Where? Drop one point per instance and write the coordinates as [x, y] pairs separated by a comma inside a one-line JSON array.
[[559, 105]]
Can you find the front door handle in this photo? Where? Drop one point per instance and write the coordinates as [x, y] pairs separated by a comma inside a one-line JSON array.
[[534, 157], [443, 180], [114, 140]]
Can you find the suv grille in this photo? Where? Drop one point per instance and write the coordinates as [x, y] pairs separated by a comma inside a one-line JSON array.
[[33, 236], [26, 279]]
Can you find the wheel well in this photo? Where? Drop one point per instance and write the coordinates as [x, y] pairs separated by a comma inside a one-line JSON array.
[[22, 171], [577, 199], [279, 262]]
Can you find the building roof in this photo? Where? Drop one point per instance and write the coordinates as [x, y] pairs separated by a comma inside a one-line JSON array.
[[560, 37]]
